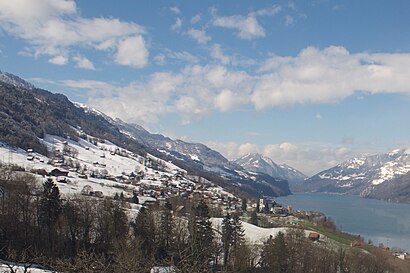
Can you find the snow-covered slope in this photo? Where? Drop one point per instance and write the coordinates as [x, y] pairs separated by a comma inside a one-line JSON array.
[[366, 176], [101, 166], [258, 163]]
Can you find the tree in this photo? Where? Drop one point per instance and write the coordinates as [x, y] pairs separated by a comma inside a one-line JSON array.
[[274, 254], [202, 237], [244, 205], [49, 211], [227, 230], [254, 218], [144, 233], [166, 230]]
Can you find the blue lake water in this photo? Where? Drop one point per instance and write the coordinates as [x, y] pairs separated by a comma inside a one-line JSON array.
[[378, 221]]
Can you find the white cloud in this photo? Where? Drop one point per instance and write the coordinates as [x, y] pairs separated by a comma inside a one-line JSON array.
[[309, 158], [177, 25], [175, 10], [227, 100], [59, 60], [181, 56], [83, 62], [318, 116], [247, 148], [314, 76], [247, 27], [199, 35], [132, 52], [217, 54], [271, 11], [195, 19], [55, 27], [329, 75]]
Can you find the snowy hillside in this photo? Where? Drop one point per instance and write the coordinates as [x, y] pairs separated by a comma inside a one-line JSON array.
[[105, 168], [364, 176]]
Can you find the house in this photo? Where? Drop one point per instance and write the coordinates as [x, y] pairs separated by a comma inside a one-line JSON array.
[[87, 190], [163, 269], [314, 236], [58, 172], [62, 179], [356, 243]]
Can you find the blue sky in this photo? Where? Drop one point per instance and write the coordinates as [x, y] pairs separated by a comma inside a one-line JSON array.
[[307, 83]]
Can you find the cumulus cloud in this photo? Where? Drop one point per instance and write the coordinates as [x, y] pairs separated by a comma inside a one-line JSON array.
[[247, 27], [199, 35], [329, 75], [58, 60], [132, 52], [83, 62], [313, 76], [55, 27]]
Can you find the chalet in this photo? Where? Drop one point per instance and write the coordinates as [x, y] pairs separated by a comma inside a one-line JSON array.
[[314, 236], [87, 190], [58, 172], [356, 243], [62, 179], [98, 194], [30, 158]]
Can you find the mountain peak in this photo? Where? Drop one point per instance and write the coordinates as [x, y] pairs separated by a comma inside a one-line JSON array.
[[259, 163], [14, 80]]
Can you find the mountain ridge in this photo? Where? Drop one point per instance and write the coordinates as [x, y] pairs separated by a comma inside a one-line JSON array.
[[259, 163], [375, 176], [27, 114]]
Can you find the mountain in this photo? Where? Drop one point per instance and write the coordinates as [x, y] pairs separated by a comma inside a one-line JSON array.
[[201, 158], [381, 176], [28, 114], [14, 80], [258, 163]]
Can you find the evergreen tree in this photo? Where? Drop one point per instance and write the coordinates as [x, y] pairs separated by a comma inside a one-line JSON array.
[[165, 233], [254, 218], [244, 205], [144, 232], [227, 230], [202, 237], [49, 210]]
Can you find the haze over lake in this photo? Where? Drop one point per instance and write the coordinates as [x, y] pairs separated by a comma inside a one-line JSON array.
[[375, 220]]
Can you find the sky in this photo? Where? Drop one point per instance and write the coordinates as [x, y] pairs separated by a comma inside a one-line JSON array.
[[306, 83]]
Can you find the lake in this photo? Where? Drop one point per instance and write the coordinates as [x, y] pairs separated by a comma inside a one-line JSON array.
[[375, 220]]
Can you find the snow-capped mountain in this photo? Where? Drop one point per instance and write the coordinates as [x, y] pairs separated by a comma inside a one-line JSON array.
[[14, 80], [201, 157], [368, 176], [27, 115], [258, 163]]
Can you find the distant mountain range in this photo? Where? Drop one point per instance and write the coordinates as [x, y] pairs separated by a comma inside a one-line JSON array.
[[381, 176], [255, 162], [27, 114]]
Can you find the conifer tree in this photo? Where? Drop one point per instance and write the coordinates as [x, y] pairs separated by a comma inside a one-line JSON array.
[[202, 237], [49, 211]]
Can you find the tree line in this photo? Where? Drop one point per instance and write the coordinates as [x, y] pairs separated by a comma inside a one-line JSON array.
[[79, 234]]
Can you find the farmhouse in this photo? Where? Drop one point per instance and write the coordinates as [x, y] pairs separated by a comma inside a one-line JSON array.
[[58, 172]]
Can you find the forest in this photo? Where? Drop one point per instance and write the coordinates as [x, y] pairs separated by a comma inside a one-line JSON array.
[[81, 234]]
